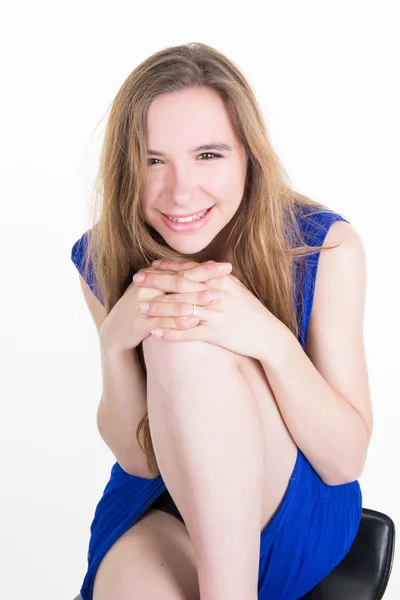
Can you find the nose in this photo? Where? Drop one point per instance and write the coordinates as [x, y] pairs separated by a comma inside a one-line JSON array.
[[181, 185]]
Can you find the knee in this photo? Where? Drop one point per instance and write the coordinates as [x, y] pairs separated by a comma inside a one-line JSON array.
[[166, 355]]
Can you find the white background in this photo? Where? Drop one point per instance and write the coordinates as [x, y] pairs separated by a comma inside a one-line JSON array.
[[326, 77]]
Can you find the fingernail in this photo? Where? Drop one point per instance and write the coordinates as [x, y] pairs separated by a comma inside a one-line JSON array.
[[224, 266], [215, 295], [157, 262], [144, 306], [139, 277], [157, 333], [192, 320]]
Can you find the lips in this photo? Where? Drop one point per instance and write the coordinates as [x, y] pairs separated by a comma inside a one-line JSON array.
[[186, 216], [191, 225]]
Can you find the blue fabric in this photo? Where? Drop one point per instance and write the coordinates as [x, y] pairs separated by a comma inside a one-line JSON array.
[[78, 257], [315, 524]]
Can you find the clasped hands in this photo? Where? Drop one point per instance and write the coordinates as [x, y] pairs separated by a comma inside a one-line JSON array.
[[235, 321]]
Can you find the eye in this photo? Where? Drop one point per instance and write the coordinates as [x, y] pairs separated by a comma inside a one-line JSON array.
[[210, 154]]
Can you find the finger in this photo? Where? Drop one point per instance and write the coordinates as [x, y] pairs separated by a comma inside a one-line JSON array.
[[176, 323], [199, 298], [170, 309], [179, 282], [176, 335], [167, 282], [205, 272], [178, 265]]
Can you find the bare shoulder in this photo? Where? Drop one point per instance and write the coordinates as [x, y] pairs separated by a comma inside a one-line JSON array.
[[94, 305], [342, 231], [337, 266]]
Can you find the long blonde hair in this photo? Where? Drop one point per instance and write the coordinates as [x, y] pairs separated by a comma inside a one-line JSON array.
[[265, 238]]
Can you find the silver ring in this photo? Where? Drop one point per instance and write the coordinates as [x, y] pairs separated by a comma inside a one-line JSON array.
[[194, 309]]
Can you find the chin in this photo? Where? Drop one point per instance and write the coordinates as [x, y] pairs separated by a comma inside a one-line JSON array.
[[187, 246]]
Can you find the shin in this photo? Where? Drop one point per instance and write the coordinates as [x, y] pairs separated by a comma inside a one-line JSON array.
[[207, 438]]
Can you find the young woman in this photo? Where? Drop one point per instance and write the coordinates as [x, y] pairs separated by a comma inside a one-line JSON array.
[[235, 387]]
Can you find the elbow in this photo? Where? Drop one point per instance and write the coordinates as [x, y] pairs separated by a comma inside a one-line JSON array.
[[339, 479], [350, 473], [357, 472], [135, 470], [354, 467], [358, 468]]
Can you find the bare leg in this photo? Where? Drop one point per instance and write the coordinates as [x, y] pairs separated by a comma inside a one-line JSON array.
[[207, 437]]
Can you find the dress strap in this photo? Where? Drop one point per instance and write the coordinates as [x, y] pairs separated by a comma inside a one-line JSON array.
[[314, 229], [78, 257]]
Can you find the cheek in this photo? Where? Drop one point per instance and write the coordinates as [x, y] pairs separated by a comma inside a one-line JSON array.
[[150, 192], [227, 183]]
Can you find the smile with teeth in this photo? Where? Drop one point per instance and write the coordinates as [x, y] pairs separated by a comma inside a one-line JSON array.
[[188, 219]]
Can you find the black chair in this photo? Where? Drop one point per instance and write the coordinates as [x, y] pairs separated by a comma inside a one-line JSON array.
[[364, 572]]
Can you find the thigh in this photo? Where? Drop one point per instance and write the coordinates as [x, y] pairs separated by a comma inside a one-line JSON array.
[[280, 450], [154, 559]]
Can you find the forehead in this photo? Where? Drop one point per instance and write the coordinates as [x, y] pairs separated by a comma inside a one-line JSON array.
[[189, 116]]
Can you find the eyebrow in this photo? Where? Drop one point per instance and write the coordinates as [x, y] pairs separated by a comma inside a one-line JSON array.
[[204, 147]]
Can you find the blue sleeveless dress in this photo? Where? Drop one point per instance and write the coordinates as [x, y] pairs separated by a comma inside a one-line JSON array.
[[314, 525]]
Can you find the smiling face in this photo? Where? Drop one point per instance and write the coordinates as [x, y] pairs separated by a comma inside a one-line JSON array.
[[195, 162]]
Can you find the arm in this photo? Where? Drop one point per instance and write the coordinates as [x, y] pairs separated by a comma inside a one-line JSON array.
[[122, 406], [123, 402], [323, 392]]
